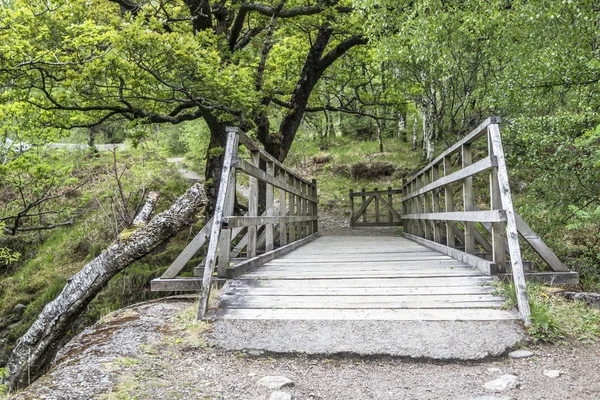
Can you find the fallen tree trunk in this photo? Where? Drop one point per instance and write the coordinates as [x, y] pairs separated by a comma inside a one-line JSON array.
[[35, 350]]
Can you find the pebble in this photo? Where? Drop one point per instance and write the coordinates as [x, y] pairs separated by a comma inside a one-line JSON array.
[[280, 396], [491, 398], [505, 382], [553, 373], [494, 370], [520, 354], [275, 382]]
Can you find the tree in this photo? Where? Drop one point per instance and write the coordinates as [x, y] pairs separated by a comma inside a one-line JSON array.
[[83, 63]]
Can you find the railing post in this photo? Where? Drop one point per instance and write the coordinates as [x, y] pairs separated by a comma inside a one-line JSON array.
[[420, 223], [282, 210], [292, 210], [404, 208], [351, 198], [376, 206], [437, 233], [304, 212], [427, 209], [315, 207], [467, 159], [449, 204], [253, 205], [211, 253], [512, 233], [498, 228], [363, 201], [269, 199], [391, 203], [225, 238]]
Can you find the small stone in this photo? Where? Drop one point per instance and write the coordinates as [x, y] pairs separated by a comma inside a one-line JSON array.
[[494, 370], [505, 382], [19, 310], [553, 373], [520, 354], [280, 396], [275, 382]]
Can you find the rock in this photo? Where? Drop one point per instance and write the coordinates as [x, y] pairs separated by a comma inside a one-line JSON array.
[[520, 354], [553, 373], [505, 382], [494, 370], [275, 382], [590, 298], [19, 310], [280, 396]]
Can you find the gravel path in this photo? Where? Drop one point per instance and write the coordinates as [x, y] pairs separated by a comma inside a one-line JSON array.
[[155, 351]]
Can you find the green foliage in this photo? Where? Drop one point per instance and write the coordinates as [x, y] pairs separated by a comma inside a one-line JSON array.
[[552, 317]]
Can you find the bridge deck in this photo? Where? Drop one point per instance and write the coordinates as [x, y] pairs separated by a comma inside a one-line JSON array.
[[363, 278]]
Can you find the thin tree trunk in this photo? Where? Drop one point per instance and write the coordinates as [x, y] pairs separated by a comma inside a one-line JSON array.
[[401, 118], [414, 133], [379, 135], [37, 347]]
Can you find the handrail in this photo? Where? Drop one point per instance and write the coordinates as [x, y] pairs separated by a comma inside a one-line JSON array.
[[425, 215], [297, 220]]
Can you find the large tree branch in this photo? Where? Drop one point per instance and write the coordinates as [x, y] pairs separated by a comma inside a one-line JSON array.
[[340, 50], [269, 11]]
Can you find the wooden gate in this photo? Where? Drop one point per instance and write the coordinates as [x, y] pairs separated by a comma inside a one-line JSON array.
[[372, 204]]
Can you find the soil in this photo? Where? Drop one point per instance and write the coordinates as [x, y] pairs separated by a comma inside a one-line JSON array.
[[156, 351]]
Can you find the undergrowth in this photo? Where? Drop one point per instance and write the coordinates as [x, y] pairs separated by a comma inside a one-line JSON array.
[[554, 318]]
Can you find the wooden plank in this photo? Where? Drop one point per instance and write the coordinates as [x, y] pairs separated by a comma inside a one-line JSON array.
[[485, 266], [211, 254], [359, 292], [435, 199], [363, 199], [235, 222], [353, 302], [224, 246], [367, 283], [471, 216], [269, 200], [547, 278], [389, 191], [428, 231], [374, 224], [188, 253], [251, 263], [258, 173], [470, 138], [539, 246], [176, 284], [466, 172], [253, 146], [512, 233], [357, 275], [352, 213], [370, 315]]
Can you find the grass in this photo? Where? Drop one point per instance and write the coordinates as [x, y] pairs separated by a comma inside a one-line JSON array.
[[554, 318]]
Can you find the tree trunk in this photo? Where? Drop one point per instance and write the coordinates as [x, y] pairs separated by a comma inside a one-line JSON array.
[[414, 134], [379, 135], [38, 346], [401, 118], [214, 159], [330, 124]]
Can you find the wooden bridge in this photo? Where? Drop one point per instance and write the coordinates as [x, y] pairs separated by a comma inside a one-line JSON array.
[[270, 262]]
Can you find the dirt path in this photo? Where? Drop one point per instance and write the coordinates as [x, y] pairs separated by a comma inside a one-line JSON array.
[[155, 351]]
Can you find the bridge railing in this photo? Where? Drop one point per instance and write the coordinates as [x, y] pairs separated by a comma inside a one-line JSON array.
[[435, 213], [290, 213]]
